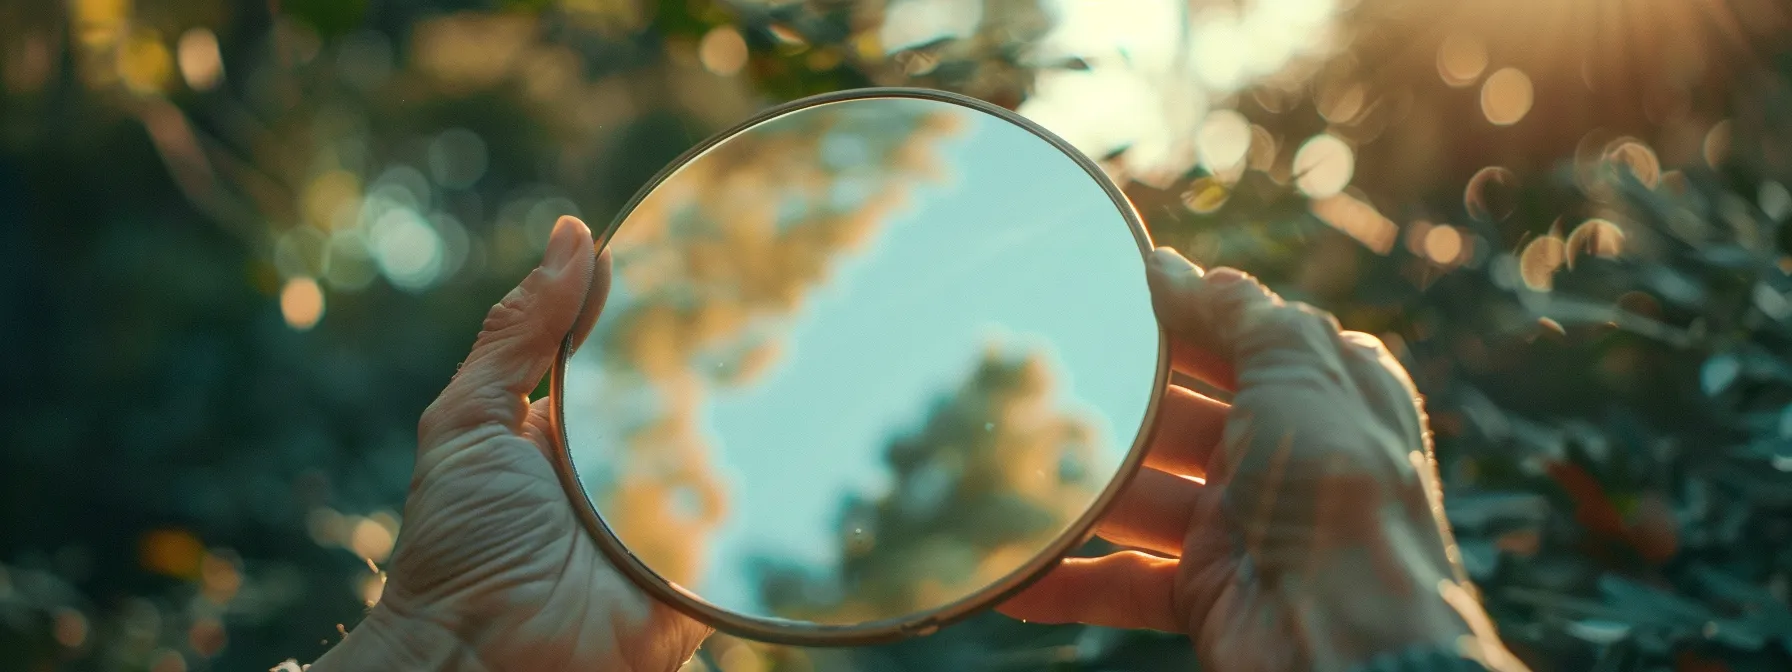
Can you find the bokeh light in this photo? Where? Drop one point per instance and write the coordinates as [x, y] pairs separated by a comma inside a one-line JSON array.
[[301, 303], [206, 636], [1205, 195], [327, 196], [200, 63], [1598, 237], [1461, 59], [1716, 147], [1342, 102], [351, 267], [1323, 166], [742, 657], [1506, 96], [1774, 200], [171, 552], [168, 660], [1538, 263], [1359, 220], [70, 628], [407, 249], [219, 577], [370, 539], [1444, 245], [723, 51], [457, 158], [1636, 159], [1224, 140], [1263, 149], [144, 63], [1491, 195]]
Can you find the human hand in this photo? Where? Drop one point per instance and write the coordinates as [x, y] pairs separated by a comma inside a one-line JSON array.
[[1299, 527], [493, 570]]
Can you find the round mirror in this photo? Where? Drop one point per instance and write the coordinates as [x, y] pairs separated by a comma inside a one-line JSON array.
[[868, 362]]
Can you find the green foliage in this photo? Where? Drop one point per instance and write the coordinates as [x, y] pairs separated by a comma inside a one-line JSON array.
[[177, 460], [331, 18]]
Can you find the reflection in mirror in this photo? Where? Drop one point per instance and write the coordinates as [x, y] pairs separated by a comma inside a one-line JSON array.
[[861, 361]]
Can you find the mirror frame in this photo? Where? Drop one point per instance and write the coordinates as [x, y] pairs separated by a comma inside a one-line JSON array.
[[805, 633]]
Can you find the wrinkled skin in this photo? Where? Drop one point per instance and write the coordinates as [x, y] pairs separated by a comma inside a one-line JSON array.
[[1317, 539], [1298, 527], [493, 570]]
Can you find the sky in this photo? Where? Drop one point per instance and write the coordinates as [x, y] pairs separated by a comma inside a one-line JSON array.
[[1018, 244]]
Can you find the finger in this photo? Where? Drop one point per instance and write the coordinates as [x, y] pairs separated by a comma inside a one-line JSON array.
[[1186, 356], [1235, 318], [1153, 513], [594, 300], [1201, 364], [517, 343], [1189, 425], [1385, 384], [1121, 590]]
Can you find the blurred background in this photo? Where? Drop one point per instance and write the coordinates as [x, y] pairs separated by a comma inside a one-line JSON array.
[[242, 245]]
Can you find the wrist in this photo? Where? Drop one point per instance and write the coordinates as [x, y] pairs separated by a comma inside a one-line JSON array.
[[389, 640], [1366, 602]]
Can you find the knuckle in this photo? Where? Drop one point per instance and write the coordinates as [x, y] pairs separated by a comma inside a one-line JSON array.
[[1294, 343], [1310, 319], [509, 312], [462, 408], [1363, 341]]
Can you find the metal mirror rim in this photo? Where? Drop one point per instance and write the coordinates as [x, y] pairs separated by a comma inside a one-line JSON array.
[[802, 633]]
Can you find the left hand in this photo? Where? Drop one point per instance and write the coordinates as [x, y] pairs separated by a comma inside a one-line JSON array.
[[493, 571]]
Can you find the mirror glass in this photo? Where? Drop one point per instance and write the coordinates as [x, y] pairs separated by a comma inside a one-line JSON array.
[[862, 360]]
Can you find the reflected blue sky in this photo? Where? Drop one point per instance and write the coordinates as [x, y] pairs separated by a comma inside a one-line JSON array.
[[1017, 246]]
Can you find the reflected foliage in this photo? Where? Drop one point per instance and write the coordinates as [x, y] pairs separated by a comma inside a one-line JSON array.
[[994, 470], [710, 269]]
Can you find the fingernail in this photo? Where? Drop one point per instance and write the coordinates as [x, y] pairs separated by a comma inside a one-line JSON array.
[[564, 244], [1171, 262]]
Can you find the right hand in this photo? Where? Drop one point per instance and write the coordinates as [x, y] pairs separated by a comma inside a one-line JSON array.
[[1299, 527]]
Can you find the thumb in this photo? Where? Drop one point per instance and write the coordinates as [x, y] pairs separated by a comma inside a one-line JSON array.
[[1242, 324], [517, 343]]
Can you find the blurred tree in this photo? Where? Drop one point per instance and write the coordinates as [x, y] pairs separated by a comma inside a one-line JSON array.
[[994, 472], [709, 269]]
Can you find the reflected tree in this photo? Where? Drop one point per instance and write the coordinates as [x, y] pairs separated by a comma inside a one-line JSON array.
[[710, 268], [996, 468]]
